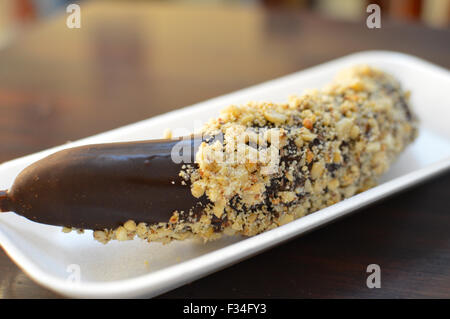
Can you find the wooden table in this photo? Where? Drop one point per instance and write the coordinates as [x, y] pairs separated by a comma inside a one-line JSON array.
[[129, 62]]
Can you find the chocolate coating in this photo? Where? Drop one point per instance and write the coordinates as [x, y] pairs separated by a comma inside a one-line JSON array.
[[102, 186]]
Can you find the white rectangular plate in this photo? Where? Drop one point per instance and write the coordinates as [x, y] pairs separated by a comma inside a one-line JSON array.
[[138, 269]]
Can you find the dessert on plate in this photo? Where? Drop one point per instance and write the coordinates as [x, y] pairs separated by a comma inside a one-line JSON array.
[[253, 168]]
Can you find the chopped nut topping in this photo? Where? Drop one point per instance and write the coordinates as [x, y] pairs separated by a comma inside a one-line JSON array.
[[279, 162]]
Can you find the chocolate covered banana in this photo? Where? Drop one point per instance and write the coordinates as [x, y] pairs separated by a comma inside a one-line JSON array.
[[255, 167]]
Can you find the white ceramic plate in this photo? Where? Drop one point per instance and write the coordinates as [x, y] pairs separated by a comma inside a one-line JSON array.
[[138, 269]]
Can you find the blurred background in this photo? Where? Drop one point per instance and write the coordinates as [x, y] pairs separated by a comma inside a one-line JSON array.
[[132, 60], [435, 13]]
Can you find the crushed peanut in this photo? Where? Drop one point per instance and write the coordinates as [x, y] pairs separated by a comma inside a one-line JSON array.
[[318, 149]]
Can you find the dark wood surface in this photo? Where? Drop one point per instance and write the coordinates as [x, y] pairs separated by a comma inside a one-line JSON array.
[[129, 62]]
